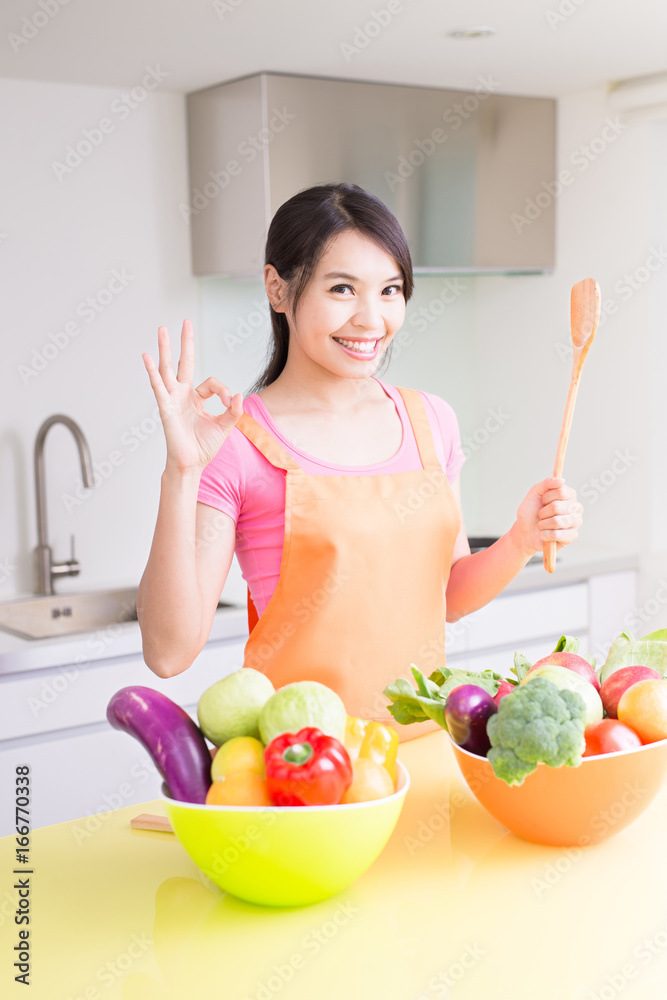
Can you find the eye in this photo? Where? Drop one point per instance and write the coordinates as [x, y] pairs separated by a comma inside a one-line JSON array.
[[399, 288], [337, 288]]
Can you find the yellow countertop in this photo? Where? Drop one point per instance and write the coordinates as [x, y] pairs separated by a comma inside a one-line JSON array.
[[455, 906]]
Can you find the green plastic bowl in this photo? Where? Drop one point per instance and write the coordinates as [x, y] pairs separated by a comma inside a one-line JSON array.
[[286, 856]]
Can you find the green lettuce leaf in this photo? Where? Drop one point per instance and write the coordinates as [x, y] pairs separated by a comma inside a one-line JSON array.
[[452, 678], [521, 666], [426, 687], [409, 706], [486, 679], [626, 651], [567, 644], [428, 701], [660, 635]]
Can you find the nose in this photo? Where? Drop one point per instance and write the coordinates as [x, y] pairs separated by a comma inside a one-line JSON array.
[[368, 314]]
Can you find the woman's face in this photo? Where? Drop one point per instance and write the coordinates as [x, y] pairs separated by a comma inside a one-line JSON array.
[[355, 295]]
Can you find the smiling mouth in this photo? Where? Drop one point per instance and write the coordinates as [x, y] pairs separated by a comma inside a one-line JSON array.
[[359, 346]]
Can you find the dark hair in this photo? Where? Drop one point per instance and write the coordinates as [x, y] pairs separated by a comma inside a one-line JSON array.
[[300, 233]]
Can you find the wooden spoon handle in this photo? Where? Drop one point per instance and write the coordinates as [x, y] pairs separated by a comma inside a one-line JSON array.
[[146, 821], [550, 548]]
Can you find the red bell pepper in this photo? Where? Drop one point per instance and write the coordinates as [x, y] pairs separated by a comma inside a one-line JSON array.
[[307, 768]]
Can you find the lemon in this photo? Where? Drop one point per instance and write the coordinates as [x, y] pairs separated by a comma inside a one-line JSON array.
[[241, 753]]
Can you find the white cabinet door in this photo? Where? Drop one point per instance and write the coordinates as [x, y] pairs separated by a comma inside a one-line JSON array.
[[613, 609], [42, 701], [528, 616], [79, 775], [55, 721]]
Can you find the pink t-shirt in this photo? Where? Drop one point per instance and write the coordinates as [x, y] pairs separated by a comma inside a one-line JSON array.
[[241, 482]]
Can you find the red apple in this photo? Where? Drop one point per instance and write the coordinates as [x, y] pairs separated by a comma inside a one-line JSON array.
[[573, 662], [619, 682], [505, 688]]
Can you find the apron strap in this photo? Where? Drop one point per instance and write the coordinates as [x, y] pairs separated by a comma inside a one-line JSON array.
[[267, 445], [274, 453], [414, 404]]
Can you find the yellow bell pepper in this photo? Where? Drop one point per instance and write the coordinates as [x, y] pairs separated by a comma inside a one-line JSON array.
[[380, 744], [355, 730], [373, 740]]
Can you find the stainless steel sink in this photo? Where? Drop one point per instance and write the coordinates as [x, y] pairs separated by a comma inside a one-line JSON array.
[[42, 617]]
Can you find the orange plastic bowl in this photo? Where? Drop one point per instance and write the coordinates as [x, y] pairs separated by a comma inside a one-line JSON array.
[[571, 806]]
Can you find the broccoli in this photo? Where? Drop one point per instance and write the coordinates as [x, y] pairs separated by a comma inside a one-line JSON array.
[[536, 723]]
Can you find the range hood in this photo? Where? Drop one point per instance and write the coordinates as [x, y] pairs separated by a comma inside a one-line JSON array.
[[466, 173]]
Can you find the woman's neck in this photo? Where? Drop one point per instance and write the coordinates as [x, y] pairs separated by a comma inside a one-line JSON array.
[[323, 390]]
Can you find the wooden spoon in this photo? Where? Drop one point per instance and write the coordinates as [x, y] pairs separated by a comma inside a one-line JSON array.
[[584, 317], [146, 821]]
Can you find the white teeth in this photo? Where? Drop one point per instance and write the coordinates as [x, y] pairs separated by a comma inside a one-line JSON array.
[[366, 347]]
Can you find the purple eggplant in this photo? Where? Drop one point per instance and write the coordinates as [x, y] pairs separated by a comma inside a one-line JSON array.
[[466, 713], [173, 740]]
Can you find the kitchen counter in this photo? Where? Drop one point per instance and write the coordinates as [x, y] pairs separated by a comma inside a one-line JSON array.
[[573, 563], [123, 639], [114, 640], [459, 909]]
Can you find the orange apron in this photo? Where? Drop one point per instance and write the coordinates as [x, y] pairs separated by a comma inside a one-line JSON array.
[[362, 588]]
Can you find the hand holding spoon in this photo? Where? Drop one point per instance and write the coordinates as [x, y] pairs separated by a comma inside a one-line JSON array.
[[584, 317]]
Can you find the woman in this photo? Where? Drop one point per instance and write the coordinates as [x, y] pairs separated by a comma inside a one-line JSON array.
[[339, 491]]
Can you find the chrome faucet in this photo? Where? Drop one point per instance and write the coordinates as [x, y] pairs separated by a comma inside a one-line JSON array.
[[45, 569]]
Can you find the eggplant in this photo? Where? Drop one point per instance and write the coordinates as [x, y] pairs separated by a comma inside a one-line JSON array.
[[467, 711], [174, 741]]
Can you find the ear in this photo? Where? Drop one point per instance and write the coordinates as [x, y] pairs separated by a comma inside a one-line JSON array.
[[276, 288]]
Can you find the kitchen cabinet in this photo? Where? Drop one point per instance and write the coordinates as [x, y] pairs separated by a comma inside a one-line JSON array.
[[531, 621], [74, 695], [53, 706], [54, 719], [254, 143]]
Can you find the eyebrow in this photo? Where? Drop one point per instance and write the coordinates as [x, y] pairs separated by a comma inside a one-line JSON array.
[[351, 277]]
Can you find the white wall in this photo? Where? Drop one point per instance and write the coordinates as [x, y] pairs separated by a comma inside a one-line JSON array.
[[609, 218], [61, 242]]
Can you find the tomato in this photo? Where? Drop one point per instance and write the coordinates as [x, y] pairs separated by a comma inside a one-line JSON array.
[[644, 707], [609, 735], [504, 689]]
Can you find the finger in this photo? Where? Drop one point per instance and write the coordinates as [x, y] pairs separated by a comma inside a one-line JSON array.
[[560, 507], [569, 536], [186, 364], [561, 521], [562, 493], [233, 413], [214, 387], [161, 394], [558, 534], [552, 483], [165, 366]]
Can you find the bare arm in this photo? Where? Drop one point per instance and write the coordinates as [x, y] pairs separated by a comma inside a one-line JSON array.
[[549, 512], [193, 543], [188, 565]]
